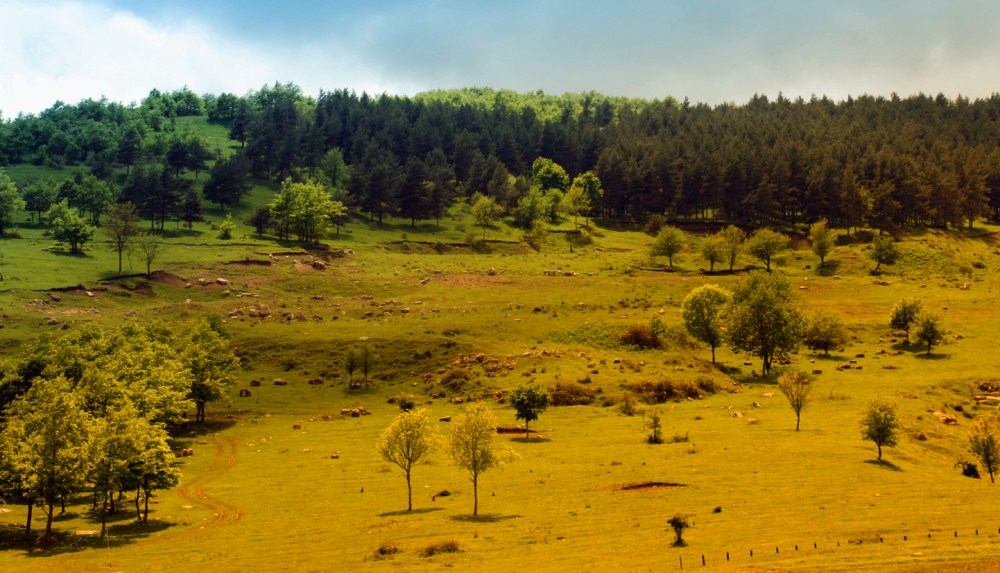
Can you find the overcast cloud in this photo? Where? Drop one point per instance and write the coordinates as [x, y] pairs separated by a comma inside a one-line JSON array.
[[707, 50]]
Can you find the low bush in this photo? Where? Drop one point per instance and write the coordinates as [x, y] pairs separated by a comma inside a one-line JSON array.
[[671, 391], [640, 336], [571, 394], [384, 551], [440, 547]]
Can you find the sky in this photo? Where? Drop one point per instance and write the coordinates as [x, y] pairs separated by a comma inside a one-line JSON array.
[[711, 51]]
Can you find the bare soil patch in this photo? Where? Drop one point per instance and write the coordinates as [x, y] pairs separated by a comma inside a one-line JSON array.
[[168, 279], [646, 485]]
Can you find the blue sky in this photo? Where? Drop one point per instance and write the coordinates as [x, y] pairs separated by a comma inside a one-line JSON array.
[[710, 51]]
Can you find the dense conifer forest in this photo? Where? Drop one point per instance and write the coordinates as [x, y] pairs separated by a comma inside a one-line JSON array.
[[883, 162]]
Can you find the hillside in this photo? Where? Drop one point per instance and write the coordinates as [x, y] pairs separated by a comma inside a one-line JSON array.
[[283, 479]]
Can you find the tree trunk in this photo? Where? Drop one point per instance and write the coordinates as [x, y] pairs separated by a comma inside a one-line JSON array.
[[104, 519], [879, 451], [798, 417], [409, 493], [48, 522], [475, 495], [138, 513], [713, 354], [27, 525], [145, 509], [527, 434]]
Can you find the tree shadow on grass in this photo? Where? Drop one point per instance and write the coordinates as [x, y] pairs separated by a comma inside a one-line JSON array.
[[531, 440], [484, 518], [932, 356], [885, 464], [828, 268], [404, 512]]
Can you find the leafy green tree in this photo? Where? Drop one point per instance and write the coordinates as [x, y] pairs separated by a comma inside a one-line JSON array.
[[879, 423], [122, 227], [528, 403], [70, 228], [261, 219], [350, 364], [733, 240], [821, 239], [154, 469], [904, 315], [47, 435], [148, 247], [575, 202], [797, 389], [485, 212], [713, 250], [366, 360], [767, 245], [884, 252], [984, 441], [587, 194], [472, 448], [38, 197], [11, 202], [114, 445], [824, 331], [701, 310], [409, 440], [762, 318], [929, 331], [334, 172], [305, 208], [668, 243], [227, 227], [548, 174], [207, 356]]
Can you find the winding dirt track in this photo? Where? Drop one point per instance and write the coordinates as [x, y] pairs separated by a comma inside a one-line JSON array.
[[194, 491]]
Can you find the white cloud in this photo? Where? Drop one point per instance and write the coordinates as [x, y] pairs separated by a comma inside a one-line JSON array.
[[73, 50]]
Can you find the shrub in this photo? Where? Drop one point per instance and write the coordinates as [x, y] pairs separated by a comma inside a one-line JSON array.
[[571, 394], [639, 335], [655, 222], [406, 403], [384, 551], [668, 390], [629, 407], [226, 228], [440, 547]]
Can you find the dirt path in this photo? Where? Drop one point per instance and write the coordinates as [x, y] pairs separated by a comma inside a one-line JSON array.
[[195, 491]]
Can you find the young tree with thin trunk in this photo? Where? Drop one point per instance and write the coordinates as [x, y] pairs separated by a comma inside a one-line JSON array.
[[528, 402], [713, 250], [732, 238], [821, 240], [472, 448], [767, 245], [122, 226], [904, 315], [668, 243], [824, 331], [984, 441], [408, 441], [929, 331], [884, 252], [879, 423], [701, 309], [148, 247], [796, 387]]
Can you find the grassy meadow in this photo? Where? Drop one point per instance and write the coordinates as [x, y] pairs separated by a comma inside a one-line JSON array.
[[282, 481]]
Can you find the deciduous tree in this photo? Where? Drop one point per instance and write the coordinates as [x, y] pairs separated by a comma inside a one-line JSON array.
[[733, 238], [796, 388], [472, 448], [824, 331], [879, 423], [485, 212], [904, 315], [984, 441], [701, 310], [11, 202], [766, 245], [528, 402], [668, 243], [929, 331], [884, 252], [821, 239], [122, 227], [408, 441], [763, 319]]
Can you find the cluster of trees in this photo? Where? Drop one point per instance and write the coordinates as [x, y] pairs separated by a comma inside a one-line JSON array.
[[762, 317], [875, 161], [90, 412]]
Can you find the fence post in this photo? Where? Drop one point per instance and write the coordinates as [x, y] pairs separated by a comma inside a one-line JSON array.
[[702, 560]]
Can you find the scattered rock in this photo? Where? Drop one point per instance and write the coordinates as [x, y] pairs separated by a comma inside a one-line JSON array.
[[444, 419], [221, 281], [316, 382], [296, 426], [254, 383], [280, 382], [244, 393], [55, 297]]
